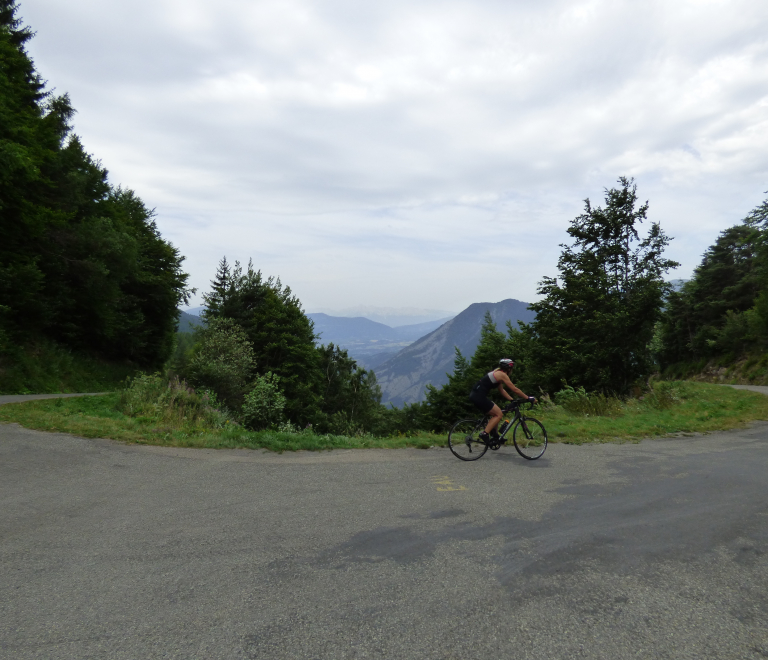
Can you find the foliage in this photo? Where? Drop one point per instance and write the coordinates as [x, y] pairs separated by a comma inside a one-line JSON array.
[[408, 421], [223, 361], [593, 327], [42, 366], [280, 334], [81, 262], [183, 352], [264, 404], [580, 402], [723, 309], [665, 394], [350, 396], [169, 402], [322, 385]]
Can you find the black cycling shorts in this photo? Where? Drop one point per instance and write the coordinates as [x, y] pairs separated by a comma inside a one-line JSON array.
[[482, 402]]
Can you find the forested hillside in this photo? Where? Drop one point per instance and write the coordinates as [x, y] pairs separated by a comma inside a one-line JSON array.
[[83, 266], [721, 314]]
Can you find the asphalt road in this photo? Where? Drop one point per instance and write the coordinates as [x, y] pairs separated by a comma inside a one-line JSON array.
[[649, 550], [18, 398]]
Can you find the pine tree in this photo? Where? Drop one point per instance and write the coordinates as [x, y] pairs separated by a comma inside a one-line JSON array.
[[723, 309], [80, 261]]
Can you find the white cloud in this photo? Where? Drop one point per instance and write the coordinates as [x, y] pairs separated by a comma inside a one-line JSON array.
[[426, 154]]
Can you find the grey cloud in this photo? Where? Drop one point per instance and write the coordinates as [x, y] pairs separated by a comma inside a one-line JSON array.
[[315, 133]]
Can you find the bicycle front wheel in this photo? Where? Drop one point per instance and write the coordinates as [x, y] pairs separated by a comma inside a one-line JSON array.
[[464, 442], [530, 438]]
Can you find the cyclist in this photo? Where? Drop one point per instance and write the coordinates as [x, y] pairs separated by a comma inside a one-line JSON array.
[[498, 378]]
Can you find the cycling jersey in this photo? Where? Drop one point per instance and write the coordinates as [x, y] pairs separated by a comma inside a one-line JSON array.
[[486, 383], [479, 393]]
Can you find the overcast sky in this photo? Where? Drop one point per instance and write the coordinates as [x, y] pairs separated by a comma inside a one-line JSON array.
[[413, 154]]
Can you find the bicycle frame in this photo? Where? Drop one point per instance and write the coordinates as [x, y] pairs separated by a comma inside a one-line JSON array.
[[517, 417]]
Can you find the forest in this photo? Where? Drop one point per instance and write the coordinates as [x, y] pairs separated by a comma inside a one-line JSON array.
[[83, 267], [87, 279]]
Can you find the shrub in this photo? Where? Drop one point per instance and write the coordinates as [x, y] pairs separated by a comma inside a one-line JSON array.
[[264, 404], [171, 402], [341, 424], [664, 394], [223, 362], [580, 402]]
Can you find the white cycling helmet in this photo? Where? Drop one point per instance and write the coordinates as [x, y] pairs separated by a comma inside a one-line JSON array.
[[506, 364]]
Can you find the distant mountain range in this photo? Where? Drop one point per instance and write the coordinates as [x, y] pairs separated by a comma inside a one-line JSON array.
[[187, 321], [404, 377], [394, 317], [369, 342]]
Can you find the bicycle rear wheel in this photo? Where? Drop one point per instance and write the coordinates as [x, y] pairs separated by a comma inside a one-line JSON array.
[[464, 442], [530, 438]]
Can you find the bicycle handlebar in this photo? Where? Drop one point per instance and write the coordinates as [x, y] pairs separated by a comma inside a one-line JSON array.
[[515, 403]]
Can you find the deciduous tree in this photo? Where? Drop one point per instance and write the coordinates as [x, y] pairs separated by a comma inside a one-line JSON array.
[[595, 321]]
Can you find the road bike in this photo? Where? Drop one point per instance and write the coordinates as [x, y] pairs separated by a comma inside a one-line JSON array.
[[528, 435]]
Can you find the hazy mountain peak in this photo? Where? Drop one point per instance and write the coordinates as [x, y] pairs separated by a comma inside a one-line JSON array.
[[404, 377], [391, 316]]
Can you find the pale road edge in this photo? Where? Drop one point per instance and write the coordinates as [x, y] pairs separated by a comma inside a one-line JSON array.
[[17, 398]]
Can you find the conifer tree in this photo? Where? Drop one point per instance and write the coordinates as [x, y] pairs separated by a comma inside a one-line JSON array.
[[282, 336], [349, 393], [723, 309], [81, 262]]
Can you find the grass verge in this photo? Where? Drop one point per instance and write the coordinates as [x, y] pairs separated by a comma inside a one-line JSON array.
[[97, 417], [699, 408]]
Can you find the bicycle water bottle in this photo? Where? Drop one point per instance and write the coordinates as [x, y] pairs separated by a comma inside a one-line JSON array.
[[503, 426]]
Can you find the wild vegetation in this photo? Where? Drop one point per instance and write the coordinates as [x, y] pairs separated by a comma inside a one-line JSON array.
[[593, 325], [720, 317], [257, 352], [83, 267]]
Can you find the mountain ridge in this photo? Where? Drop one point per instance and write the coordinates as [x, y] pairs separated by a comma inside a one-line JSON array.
[[404, 377], [368, 341]]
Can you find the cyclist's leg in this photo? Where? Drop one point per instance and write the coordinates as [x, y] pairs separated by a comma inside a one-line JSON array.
[[489, 409], [495, 415]]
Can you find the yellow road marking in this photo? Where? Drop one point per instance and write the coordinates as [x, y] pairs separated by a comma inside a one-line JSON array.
[[445, 484]]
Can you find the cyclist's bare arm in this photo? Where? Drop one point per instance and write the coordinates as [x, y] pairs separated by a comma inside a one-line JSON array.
[[505, 381]]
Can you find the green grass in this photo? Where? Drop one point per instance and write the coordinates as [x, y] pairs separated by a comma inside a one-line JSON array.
[[97, 417], [700, 408]]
